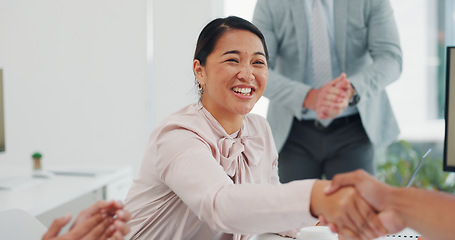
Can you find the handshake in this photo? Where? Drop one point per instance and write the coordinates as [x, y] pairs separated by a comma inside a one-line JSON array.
[[354, 206], [357, 206]]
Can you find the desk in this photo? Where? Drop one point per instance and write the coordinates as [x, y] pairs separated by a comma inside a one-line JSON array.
[[62, 194], [406, 233]]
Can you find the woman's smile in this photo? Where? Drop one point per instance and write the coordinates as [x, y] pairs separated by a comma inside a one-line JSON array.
[[244, 91]]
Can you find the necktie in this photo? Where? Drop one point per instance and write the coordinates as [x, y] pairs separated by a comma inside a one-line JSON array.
[[322, 67]]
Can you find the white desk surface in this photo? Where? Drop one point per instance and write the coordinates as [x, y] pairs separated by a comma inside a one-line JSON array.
[[406, 233], [57, 190], [269, 236]]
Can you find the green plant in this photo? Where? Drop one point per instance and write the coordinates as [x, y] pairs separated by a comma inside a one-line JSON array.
[[37, 155], [400, 161]]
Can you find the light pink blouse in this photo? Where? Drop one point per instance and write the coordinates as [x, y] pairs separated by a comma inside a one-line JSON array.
[[198, 182]]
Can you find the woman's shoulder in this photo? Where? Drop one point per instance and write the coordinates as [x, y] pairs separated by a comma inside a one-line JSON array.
[[186, 116], [256, 121], [187, 120], [254, 117]]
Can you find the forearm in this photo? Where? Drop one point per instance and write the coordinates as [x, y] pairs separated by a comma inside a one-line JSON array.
[[253, 209], [374, 78], [429, 213]]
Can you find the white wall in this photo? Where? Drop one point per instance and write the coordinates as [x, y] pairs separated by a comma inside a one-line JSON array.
[[176, 26], [74, 80], [87, 81]]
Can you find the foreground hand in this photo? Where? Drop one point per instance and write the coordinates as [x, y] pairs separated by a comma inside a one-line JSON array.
[[374, 192], [103, 220], [347, 212], [331, 99]]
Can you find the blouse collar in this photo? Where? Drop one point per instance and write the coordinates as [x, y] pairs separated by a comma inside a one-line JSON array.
[[217, 126]]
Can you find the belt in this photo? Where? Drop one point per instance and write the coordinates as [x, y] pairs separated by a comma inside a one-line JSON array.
[[336, 123]]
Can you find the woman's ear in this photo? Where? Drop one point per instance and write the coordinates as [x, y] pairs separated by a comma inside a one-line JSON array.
[[197, 69]]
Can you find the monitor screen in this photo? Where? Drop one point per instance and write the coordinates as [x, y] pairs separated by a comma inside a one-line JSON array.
[[449, 140], [2, 117]]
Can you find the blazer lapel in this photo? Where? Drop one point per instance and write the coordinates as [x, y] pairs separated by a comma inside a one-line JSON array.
[[301, 29], [340, 12]]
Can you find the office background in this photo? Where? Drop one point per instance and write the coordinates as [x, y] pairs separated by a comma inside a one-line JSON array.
[[86, 81]]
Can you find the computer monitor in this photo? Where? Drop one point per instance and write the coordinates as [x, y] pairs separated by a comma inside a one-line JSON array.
[[2, 116], [449, 139]]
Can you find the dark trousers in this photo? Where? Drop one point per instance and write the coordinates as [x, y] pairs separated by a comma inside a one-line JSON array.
[[313, 151]]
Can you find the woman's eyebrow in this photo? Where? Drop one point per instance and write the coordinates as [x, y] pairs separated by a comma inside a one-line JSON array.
[[259, 53], [232, 52], [238, 52]]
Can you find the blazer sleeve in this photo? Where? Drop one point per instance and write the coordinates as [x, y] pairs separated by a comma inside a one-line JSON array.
[[383, 45], [290, 94], [200, 182]]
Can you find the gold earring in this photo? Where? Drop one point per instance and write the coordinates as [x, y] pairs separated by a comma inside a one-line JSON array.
[[200, 88]]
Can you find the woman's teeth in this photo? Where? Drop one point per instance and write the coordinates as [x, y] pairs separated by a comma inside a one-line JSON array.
[[243, 91]]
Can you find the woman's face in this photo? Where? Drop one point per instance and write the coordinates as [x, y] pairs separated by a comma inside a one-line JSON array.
[[235, 74]]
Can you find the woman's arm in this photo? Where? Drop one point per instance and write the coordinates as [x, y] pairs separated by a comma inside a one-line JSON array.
[[193, 173], [200, 181]]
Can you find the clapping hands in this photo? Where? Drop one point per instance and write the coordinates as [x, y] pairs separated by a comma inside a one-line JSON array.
[[331, 99]]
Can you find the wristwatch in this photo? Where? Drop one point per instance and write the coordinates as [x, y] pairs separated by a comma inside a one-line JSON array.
[[355, 98]]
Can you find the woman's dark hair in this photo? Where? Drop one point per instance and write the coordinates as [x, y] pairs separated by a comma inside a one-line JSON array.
[[216, 28]]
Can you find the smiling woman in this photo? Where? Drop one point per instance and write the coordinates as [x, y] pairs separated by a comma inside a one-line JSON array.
[[210, 169], [233, 77]]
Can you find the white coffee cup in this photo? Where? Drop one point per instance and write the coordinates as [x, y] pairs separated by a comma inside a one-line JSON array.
[[316, 233]]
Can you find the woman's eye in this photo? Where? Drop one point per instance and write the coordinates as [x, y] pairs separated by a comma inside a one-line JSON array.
[[259, 62], [232, 60]]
